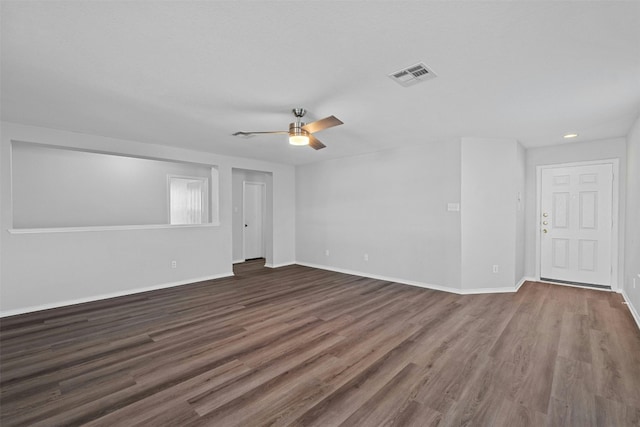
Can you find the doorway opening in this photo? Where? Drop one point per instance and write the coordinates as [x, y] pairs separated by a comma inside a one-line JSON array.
[[252, 219], [577, 224]]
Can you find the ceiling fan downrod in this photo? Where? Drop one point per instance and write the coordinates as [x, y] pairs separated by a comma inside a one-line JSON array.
[[299, 112]]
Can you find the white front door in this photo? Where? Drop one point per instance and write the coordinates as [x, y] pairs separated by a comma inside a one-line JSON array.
[[576, 224], [253, 198]]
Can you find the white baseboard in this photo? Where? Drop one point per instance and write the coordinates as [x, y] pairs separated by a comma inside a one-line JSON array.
[[505, 290], [237, 261], [418, 284], [269, 265], [379, 277], [524, 279], [110, 295], [632, 309]]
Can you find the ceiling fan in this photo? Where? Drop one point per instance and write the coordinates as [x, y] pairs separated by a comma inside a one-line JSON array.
[[301, 133]]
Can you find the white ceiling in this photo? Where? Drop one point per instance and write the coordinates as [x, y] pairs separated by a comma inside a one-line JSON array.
[[190, 73]]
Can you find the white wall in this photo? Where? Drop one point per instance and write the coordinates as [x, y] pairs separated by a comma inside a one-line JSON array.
[[391, 205], [632, 243], [567, 153], [51, 269], [239, 176], [490, 220]]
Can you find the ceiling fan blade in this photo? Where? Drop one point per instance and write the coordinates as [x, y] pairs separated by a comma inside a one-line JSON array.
[[315, 143], [241, 133], [321, 124]]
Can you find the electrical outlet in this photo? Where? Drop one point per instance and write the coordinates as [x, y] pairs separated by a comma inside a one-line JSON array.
[[366, 257], [174, 264], [496, 268], [326, 252]]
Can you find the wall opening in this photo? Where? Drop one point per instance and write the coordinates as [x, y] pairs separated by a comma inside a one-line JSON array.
[[60, 187], [240, 177]]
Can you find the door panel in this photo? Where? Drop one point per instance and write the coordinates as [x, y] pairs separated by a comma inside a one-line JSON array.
[[560, 253], [587, 255], [560, 216], [576, 224], [588, 210]]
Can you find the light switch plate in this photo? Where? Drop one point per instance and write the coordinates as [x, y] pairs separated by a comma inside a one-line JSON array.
[[453, 207]]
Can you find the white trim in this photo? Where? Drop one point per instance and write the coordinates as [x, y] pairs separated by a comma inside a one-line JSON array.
[[112, 295], [615, 207], [632, 309], [237, 261], [285, 264], [414, 283], [521, 282], [106, 228], [488, 291]]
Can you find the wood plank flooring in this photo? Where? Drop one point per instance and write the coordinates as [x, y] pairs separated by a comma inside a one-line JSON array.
[[304, 347]]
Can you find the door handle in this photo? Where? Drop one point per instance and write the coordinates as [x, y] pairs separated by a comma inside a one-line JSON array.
[[246, 225]]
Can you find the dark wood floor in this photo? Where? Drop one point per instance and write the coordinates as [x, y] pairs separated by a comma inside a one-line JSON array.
[[305, 347]]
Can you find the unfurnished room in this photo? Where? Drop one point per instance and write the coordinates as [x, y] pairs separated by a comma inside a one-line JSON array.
[[319, 213]]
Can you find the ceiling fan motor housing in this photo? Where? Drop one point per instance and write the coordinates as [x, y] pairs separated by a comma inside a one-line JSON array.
[[295, 129]]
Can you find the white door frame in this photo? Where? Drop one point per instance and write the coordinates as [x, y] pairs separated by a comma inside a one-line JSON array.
[[244, 187], [614, 212]]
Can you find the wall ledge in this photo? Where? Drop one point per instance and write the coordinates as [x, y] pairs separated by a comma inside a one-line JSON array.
[[106, 228]]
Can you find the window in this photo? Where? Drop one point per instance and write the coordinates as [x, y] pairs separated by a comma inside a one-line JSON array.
[[188, 200]]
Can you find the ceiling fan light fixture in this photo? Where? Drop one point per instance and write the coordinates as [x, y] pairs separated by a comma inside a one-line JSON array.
[[297, 135], [298, 140]]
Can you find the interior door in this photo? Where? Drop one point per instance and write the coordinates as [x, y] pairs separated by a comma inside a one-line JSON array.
[[576, 224], [253, 208]]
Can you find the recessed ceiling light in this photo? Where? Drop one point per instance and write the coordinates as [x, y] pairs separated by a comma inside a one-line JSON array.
[[570, 135]]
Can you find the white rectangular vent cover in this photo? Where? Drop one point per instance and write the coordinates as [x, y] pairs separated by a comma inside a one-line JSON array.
[[412, 75]]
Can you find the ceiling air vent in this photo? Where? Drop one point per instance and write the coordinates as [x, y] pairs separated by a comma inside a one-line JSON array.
[[412, 75]]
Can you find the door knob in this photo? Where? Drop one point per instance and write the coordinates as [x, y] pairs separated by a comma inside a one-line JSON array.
[[246, 225], [545, 214], [545, 222], [544, 230]]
